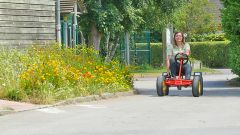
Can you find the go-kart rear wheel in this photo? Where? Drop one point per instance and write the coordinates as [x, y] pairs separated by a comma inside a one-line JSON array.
[[162, 89], [196, 86], [201, 85], [201, 77]]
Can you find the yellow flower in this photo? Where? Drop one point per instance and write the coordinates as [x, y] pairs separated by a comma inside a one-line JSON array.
[[90, 63], [42, 77]]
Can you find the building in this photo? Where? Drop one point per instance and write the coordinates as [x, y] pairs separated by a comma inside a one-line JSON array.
[[27, 22], [69, 11], [33, 22]]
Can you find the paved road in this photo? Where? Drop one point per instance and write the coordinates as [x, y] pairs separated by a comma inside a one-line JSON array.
[[215, 113]]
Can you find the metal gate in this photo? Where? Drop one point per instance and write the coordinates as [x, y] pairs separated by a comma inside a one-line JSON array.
[[139, 49]]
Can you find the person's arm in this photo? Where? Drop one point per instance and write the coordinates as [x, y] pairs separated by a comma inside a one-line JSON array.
[[187, 50]]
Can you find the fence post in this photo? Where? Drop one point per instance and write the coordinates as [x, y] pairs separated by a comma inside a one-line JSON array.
[[148, 40], [65, 34], [127, 49]]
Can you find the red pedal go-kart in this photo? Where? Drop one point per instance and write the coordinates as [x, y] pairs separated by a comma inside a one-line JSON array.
[[165, 81]]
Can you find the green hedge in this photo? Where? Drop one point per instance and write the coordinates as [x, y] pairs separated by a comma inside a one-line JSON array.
[[142, 58], [231, 26], [156, 54], [208, 37], [235, 56], [212, 54]]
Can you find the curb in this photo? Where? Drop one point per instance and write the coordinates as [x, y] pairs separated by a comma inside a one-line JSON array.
[[76, 100], [96, 97]]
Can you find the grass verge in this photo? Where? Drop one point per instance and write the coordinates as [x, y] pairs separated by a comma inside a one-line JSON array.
[[141, 73]]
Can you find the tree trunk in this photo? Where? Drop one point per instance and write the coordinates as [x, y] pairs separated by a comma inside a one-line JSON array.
[[114, 48], [95, 37], [111, 48], [83, 41], [107, 47]]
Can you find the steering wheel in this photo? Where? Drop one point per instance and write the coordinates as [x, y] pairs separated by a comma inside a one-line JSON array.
[[182, 56]]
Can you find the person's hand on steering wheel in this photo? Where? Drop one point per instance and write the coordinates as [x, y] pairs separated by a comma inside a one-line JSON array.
[[181, 56], [168, 72]]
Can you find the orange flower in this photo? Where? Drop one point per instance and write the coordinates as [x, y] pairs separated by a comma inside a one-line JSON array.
[[87, 75]]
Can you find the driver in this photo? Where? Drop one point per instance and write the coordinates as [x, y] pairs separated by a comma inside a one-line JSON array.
[[179, 46]]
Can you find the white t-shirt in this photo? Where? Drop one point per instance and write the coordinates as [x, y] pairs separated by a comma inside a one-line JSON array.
[[172, 50]]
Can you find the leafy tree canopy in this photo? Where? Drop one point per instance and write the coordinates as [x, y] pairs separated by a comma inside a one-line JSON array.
[[195, 17], [231, 18]]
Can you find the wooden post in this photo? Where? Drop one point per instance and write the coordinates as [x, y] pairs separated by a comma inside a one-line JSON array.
[[167, 38], [58, 20], [75, 25]]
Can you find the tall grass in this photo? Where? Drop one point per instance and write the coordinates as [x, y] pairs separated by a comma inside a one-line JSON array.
[[49, 74]]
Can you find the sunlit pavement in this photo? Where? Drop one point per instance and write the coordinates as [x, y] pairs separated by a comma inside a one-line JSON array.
[[215, 113]]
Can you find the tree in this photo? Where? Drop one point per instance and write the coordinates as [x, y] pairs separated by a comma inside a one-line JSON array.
[[92, 20], [157, 14], [231, 26], [195, 17], [108, 19]]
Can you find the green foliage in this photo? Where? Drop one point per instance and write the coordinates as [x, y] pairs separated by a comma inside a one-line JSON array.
[[230, 19], [156, 57], [194, 18], [212, 54], [157, 14], [111, 15], [208, 37], [234, 56], [109, 19], [49, 74], [231, 26]]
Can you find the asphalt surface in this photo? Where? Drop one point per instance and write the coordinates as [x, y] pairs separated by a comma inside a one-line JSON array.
[[217, 112]]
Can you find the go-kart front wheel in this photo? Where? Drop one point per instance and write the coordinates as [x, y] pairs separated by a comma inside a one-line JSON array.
[[197, 88], [162, 89]]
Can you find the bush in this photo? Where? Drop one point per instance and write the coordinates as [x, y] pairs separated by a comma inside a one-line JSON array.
[[234, 56], [212, 54], [49, 74], [208, 37], [231, 25]]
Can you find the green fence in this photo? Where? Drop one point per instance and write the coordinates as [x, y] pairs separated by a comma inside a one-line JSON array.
[[67, 31], [140, 50]]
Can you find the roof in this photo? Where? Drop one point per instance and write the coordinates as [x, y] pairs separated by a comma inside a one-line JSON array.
[[67, 6]]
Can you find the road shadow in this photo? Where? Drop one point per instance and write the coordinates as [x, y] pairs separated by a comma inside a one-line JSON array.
[[215, 84], [211, 89]]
